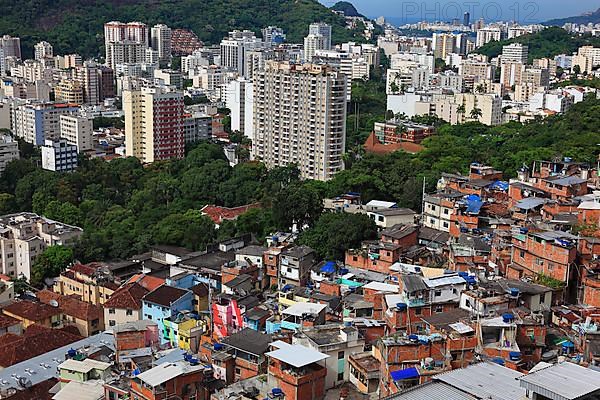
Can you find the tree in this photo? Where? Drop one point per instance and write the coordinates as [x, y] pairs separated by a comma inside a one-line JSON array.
[[476, 113], [296, 204], [191, 230], [334, 233], [576, 69], [50, 264], [480, 88]]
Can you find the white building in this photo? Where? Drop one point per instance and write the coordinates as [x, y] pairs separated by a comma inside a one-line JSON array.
[[486, 35], [9, 151], [240, 101], [125, 52], [320, 28], [59, 155], [312, 44], [300, 118], [515, 52], [234, 48], [78, 131], [37, 122], [26, 235], [42, 51]]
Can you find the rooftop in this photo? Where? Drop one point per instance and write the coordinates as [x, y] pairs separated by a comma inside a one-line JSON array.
[[250, 341], [90, 390], [31, 310], [299, 309], [128, 296], [71, 306], [382, 287], [296, 355], [165, 295], [562, 381], [84, 366], [485, 381], [167, 371], [399, 231]]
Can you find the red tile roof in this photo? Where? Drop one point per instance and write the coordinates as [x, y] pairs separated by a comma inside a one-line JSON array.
[[35, 340], [71, 305], [39, 391], [373, 145], [6, 321], [85, 269], [128, 296], [31, 310], [146, 281], [219, 214]]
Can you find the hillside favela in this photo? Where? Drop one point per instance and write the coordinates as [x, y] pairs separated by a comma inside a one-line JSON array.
[[299, 200]]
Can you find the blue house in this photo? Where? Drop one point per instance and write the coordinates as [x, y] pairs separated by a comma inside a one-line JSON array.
[[166, 302]]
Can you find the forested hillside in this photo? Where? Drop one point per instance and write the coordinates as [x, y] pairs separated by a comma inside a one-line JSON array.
[[77, 25]]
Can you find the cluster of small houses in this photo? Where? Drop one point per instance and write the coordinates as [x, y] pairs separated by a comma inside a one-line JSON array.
[[495, 282]]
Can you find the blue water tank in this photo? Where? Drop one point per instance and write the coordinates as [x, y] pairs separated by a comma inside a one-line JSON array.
[[401, 306], [348, 323], [413, 338], [514, 292], [514, 355], [277, 391], [217, 346], [523, 230], [498, 360], [508, 317], [417, 269]]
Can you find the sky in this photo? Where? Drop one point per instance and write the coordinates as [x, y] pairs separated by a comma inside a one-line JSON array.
[[524, 11]]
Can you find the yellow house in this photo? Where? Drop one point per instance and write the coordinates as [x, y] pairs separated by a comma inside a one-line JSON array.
[[88, 318], [293, 295], [89, 282], [185, 330], [30, 312]]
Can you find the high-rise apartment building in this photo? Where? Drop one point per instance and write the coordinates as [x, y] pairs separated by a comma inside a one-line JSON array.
[[9, 151], [125, 52], [273, 35], [26, 235], [467, 19], [320, 28], [11, 46], [42, 51], [69, 91], [241, 103], [154, 123], [300, 118], [133, 31], [36, 122], [515, 52], [444, 44], [489, 34], [77, 130], [235, 47], [161, 41], [312, 44]]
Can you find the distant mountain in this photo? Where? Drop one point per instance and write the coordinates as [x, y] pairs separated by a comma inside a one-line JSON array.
[[589, 17], [347, 8], [76, 26]]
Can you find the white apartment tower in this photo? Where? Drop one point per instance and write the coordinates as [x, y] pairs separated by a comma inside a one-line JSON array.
[[9, 151], [488, 34], [78, 131], [320, 28], [235, 47], [125, 52], [161, 41], [133, 31], [312, 44], [42, 51], [515, 52], [300, 118], [154, 123]]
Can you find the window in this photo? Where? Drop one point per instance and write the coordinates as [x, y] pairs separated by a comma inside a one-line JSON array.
[[550, 266], [446, 211], [468, 303], [129, 312], [445, 224], [238, 371], [380, 218], [111, 310], [454, 291], [111, 322], [438, 309], [539, 261], [418, 311], [354, 258], [289, 269], [340, 355], [522, 254], [437, 293], [340, 376]]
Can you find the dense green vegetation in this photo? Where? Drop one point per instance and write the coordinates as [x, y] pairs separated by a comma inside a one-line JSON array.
[[50, 263], [77, 26], [546, 43], [347, 8]]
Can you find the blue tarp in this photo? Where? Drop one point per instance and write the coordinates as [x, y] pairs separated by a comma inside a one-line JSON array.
[[286, 288], [328, 268], [499, 185], [474, 204], [408, 373]]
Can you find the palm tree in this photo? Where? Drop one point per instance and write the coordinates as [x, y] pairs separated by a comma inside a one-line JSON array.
[[476, 113], [480, 88], [461, 111]]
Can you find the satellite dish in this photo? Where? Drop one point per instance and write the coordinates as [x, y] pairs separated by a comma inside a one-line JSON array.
[[53, 303]]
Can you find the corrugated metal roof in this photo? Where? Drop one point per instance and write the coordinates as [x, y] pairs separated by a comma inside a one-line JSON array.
[[443, 281], [562, 381], [167, 371], [90, 390], [413, 283], [529, 203], [485, 381], [298, 309], [432, 391], [382, 287], [297, 355]]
